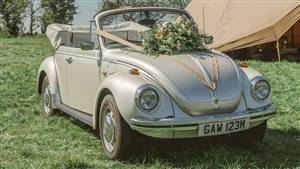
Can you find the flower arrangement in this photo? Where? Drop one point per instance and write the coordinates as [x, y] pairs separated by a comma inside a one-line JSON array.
[[177, 37]]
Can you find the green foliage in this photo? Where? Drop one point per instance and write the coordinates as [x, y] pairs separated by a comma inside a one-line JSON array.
[[108, 4], [12, 13], [112, 4], [3, 33], [155, 3], [30, 140], [57, 11], [172, 38], [33, 16]]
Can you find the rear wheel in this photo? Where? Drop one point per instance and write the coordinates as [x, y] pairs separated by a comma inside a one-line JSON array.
[[116, 136], [47, 98]]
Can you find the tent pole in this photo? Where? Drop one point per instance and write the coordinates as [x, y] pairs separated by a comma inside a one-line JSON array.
[[293, 36], [278, 51]]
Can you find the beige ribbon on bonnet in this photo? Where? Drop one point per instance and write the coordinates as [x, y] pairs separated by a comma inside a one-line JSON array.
[[200, 76]]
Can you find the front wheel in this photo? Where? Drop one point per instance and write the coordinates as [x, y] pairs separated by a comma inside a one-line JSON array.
[[47, 98], [116, 136]]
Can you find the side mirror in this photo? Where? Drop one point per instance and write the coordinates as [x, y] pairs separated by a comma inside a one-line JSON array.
[[87, 45]]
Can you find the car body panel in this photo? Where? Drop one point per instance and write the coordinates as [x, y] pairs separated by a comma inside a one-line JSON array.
[[47, 67], [175, 77], [123, 87], [189, 128], [83, 77], [183, 99], [248, 75], [61, 66]]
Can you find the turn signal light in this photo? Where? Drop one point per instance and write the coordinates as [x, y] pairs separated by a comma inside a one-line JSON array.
[[244, 64], [134, 71]]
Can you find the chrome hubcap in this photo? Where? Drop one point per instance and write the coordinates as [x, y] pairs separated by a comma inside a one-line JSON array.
[[108, 130], [47, 100]]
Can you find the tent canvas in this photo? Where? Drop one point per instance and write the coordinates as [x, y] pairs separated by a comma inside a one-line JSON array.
[[237, 24]]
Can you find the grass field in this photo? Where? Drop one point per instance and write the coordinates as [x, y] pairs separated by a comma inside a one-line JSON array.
[[30, 140]]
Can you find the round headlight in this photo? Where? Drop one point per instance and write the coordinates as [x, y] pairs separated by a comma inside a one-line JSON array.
[[260, 89], [147, 98]]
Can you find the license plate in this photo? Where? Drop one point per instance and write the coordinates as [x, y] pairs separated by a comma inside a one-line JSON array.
[[218, 128]]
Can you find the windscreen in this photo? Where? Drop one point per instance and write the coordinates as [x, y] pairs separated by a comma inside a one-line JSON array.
[[132, 26]]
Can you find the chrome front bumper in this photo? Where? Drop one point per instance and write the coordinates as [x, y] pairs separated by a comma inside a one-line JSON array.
[[188, 128]]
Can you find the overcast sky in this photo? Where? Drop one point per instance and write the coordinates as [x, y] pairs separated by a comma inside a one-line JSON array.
[[86, 10]]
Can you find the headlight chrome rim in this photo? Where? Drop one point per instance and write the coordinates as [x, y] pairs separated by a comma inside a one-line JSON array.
[[141, 91], [254, 82]]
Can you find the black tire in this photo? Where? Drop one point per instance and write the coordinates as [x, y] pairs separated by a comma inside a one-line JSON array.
[[123, 135], [256, 133], [47, 102]]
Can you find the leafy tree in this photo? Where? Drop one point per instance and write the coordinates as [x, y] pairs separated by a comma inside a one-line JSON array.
[[57, 11], [13, 13], [112, 4], [109, 4], [33, 17], [157, 3]]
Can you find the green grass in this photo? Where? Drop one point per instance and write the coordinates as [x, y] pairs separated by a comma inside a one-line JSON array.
[[30, 140]]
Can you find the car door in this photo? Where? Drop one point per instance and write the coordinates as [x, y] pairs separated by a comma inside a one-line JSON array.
[[83, 79]]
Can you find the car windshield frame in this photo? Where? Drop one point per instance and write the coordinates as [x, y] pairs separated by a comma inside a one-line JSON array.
[[102, 15]]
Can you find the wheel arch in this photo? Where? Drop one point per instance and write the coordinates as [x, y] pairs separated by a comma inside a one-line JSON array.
[[41, 77], [122, 86], [47, 68], [100, 97], [249, 74]]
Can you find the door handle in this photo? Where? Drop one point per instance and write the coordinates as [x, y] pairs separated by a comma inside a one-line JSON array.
[[69, 60]]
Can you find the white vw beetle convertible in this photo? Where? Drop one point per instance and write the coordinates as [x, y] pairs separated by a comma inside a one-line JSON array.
[[100, 76]]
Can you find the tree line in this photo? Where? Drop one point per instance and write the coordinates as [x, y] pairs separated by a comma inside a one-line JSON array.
[[13, 13], [111, 4]]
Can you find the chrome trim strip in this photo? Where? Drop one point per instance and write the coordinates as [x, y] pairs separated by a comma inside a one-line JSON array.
[[138, 95], [171, 129], [76, 55], [160, 130], [262, 118], [108, 60], [102, 14], [252, 86], [173, 122], [84, 117], [202, 69], [99, 16]]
